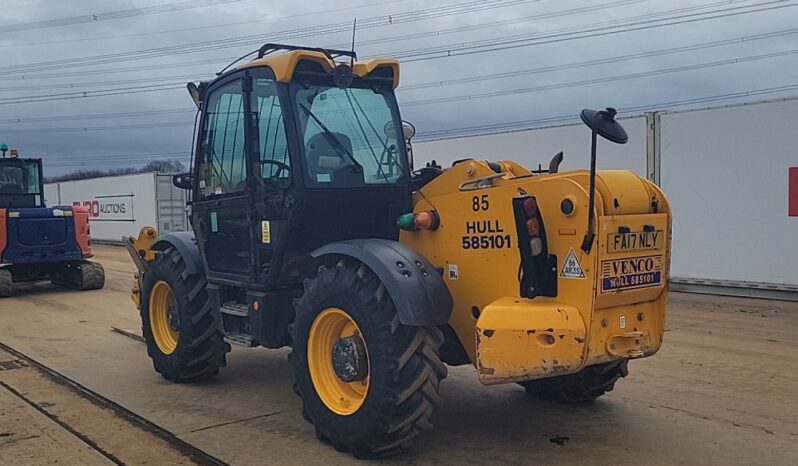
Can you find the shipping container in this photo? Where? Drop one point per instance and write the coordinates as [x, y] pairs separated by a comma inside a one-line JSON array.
[[726, 171], [122, 205]]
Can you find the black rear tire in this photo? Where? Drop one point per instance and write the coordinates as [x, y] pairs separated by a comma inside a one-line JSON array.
[[584, 386], [405, 369], [201, 349], [92, 276], [81, 275], [6, 283]]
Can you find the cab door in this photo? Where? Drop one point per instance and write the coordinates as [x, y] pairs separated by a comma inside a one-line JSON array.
[[222, 201]]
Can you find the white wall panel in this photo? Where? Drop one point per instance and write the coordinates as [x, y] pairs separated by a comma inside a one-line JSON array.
[[725, 172], [538, 146], [51, 196]]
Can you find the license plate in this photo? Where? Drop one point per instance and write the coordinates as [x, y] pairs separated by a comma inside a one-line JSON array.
[[635, 241], [631, 273]]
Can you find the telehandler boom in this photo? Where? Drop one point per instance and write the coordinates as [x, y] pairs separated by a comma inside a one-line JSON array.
[[312, 230]]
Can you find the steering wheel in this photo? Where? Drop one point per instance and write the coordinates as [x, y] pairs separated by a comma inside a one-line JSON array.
[[280, 167]]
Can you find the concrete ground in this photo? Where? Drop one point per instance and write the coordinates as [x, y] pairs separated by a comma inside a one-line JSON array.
[[723, 390], [44, 420]]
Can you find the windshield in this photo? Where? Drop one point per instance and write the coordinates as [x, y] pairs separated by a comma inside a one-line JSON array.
[[350, 137], [19, 176]]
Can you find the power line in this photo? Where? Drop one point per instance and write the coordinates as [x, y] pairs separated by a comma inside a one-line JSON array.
[[216, 61], [100, 83], [515, 125], [112, 15], [211, 26], [377, 41], [602, 61], [152, 88], [458, 98], [526, 40], [99, 157], [371, 42], [96, 116], [603, 79], [196, 47], [86, 94], [518, 125], [317, 30], [392, 39], [470, 79], [83, 129]]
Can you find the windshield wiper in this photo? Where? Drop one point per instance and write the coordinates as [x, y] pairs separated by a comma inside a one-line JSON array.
[[331, 137], [349, 97]]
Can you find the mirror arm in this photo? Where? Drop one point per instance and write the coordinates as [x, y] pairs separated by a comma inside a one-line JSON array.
[[590, 235]]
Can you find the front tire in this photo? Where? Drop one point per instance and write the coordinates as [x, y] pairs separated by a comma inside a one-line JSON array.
[[180, 327], [393, 371], [582, 387]]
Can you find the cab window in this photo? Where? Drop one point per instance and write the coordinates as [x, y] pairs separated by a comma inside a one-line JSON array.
[[19, 177], [350, 136], [222, 153], [272, 140]]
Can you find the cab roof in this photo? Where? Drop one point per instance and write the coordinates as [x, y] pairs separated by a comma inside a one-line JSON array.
[[285, 63]]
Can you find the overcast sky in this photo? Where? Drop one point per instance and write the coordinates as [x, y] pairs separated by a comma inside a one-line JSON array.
[[563, 55]]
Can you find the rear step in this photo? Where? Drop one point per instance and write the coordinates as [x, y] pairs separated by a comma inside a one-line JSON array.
[[235, 309], [239, 311]]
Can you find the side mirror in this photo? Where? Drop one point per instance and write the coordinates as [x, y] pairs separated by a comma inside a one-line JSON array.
[[601, 123], [408, 131], [194, 91], [183, 181]]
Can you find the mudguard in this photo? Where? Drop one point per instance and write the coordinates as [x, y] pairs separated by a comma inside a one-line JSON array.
[[186, 243], [414, 284]]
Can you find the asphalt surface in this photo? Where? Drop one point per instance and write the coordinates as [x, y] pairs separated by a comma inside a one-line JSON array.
[[723, 390]]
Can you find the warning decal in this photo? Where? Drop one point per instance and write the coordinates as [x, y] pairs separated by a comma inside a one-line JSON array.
[[631, 273], [571, 267], [453, 272]]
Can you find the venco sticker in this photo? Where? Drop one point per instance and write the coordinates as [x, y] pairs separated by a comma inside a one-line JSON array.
[[631, 273]]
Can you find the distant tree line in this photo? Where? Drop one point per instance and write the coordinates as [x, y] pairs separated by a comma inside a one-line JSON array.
[[158, 166]]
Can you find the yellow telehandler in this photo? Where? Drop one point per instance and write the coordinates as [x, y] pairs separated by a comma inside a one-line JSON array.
[[311, 229]]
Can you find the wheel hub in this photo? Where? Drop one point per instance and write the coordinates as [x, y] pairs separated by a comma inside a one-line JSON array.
[[174, 318], [338, 361], [349, 358]]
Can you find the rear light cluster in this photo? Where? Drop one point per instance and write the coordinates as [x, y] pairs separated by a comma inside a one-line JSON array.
[[538, 268], [530, 206]]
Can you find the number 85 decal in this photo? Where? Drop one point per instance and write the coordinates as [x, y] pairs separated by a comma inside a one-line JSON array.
[[480, 203]]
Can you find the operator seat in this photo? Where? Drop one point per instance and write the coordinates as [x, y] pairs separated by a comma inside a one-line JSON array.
[[324, 157]]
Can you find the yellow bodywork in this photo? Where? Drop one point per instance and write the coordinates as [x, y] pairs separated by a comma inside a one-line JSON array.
[[284, 64], [510, 338], [140, 250]]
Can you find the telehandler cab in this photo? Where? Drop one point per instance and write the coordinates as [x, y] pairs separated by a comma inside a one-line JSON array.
[[312, 230]]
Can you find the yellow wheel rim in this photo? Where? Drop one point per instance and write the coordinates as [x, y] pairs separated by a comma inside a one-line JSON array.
[[340, 397], [164, 321]]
